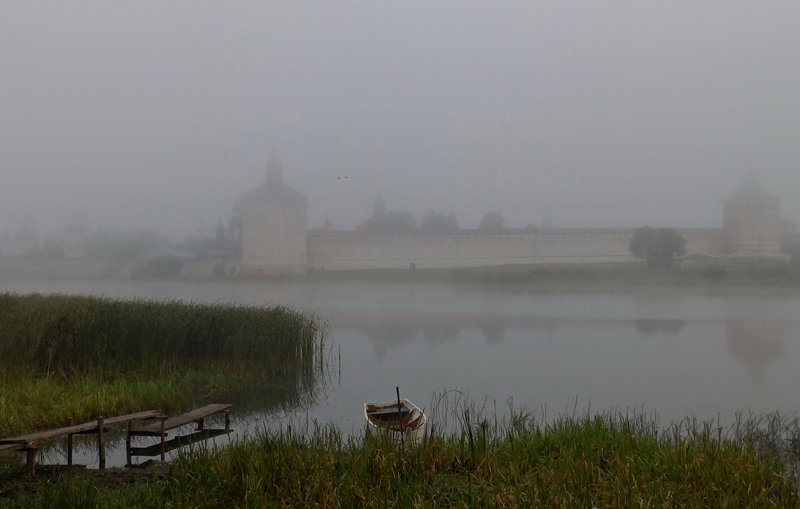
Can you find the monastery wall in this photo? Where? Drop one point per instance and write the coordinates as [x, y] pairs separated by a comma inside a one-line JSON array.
[[275, 240], [703, 241], [355, 250]]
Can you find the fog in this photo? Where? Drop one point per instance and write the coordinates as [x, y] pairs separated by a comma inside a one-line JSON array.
[[673, 351], [160, 115]]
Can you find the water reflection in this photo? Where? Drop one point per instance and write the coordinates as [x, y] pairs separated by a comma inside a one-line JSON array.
[[399, 329], [442, 332], [756, 342], [679, 353], [650, 326], [494, 332]]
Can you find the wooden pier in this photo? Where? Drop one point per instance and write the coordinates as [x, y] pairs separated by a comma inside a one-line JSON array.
[[29, 443], [161, 428]]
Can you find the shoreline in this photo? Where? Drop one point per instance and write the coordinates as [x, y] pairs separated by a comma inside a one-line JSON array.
[[590, 279]]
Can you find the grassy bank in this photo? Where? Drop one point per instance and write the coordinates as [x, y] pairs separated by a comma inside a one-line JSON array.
[[66, 356], [572, 275], [594, 461]]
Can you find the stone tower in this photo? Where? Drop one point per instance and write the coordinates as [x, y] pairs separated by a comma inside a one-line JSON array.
[[751, 221], [274, 226]]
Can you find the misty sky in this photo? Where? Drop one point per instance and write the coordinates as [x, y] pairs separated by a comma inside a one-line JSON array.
[[161, 114]]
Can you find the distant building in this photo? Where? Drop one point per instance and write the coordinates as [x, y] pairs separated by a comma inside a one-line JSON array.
[[274, 226], [751, 222], [275, 240]]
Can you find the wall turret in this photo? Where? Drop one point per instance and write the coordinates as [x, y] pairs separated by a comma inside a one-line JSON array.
[[751, 221], [274, 220]]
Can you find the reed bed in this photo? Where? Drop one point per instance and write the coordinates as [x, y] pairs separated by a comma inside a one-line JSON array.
[[608, 460], [75, 357], [70, 335]]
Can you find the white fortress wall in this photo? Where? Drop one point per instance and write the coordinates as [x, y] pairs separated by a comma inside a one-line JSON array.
[[336, 252], [356, 250], [583, 246], [704, 240]]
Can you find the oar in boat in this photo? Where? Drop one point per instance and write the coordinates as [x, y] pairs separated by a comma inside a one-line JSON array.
[[399, 414]]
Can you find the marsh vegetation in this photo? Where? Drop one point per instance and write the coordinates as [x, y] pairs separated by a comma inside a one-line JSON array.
[[621, 459], [65, 357]]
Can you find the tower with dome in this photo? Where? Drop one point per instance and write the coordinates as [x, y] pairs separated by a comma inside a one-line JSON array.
[[274, 225]]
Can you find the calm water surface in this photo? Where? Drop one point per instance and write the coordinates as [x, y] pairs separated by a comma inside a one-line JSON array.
[[673, 354]]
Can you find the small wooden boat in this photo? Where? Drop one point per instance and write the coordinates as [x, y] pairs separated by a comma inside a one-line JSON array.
[[409, 420]]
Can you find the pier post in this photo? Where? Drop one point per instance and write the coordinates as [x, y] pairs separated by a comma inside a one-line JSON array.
[[101, 447], [128, 444], [69, 443], [163, 455], [31, 460]]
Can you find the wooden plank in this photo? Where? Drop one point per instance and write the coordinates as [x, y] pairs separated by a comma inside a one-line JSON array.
[[174, 443], [195, 415], [11, 447], [125, 419], [86, 427], [50, 433]]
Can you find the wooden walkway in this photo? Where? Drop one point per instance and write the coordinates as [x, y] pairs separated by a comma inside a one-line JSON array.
[[161, 428], [30, 441]]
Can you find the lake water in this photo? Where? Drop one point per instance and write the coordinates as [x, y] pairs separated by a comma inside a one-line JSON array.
[[671, 353]]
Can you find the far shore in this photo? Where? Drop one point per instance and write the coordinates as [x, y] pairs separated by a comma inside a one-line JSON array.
[[538, 276]]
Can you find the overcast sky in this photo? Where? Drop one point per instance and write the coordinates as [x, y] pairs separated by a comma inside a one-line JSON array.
[[606, 113]]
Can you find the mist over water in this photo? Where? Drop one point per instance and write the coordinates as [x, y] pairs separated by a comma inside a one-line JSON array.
[[674, 354]]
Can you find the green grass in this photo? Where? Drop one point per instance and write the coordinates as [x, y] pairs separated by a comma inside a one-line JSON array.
[[69, 336], [609, 460], [66, 357], [30, 403]]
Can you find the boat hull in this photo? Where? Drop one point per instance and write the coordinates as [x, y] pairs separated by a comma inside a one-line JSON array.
[[410, 421]]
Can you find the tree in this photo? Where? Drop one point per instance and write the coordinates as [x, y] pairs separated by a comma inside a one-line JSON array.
[[658, 247], [492, 221], [436, 222]]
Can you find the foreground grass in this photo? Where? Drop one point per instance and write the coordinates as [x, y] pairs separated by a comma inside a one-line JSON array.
[[595, 461]]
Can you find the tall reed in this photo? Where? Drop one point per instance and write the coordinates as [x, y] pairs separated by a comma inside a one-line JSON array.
[[72, 356], [69, 335]]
